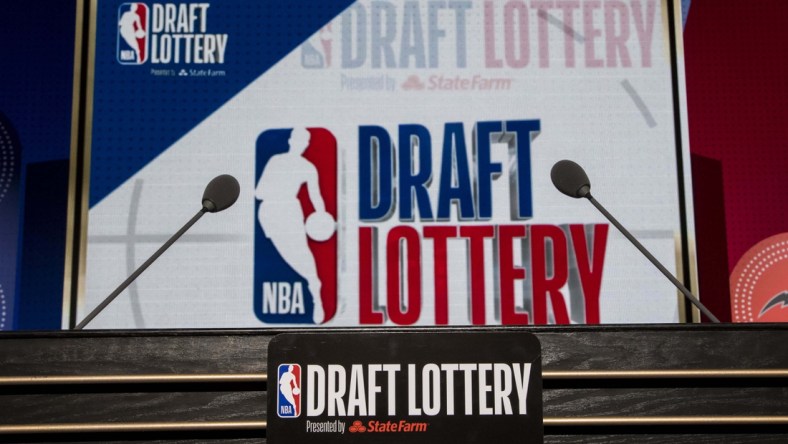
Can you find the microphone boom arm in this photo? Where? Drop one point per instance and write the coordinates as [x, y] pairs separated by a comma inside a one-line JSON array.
[[695, 301], [140, 269]]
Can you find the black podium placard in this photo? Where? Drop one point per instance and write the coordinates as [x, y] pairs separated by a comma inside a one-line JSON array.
[[429, 387]]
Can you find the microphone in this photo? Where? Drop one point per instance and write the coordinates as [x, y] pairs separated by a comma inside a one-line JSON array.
[[570, 179], [220, 194]]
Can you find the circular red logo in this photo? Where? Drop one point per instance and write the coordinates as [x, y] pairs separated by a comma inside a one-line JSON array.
[[357, 427], [759, 283]]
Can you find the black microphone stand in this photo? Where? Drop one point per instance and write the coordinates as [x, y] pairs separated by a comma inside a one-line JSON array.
[[140, 269], [695, 301]]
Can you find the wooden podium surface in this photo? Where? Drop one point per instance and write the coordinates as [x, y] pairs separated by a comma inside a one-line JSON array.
[[602, 384]]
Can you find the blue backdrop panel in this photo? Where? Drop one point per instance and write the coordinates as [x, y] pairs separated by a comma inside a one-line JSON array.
[[36, 97], [131, 136]]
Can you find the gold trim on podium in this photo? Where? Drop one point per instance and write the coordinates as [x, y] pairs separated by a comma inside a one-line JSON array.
[[134, 379], [665, 374], [662, 420], [594, 421], [259, 378], [23, 429]]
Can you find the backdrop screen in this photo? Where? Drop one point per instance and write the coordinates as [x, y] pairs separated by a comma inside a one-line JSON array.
[[394, 160]]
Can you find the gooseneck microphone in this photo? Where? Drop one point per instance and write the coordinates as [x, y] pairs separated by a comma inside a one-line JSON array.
[[220, 194], [570, 179]]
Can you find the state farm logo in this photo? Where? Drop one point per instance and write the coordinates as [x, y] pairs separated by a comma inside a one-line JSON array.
[[401, 426], [759, 282], [438, 82], [357, 427]]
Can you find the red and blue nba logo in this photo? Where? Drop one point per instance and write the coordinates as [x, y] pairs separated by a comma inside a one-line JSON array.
[[288, 403], [316, 52], [132, 33], [295, 258]]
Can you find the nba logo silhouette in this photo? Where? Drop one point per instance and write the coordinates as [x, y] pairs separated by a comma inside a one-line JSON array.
[[316, 52], [295, 259], [132, 33], [288, 403]]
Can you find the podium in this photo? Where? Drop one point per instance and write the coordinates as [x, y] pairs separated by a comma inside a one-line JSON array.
[[634, 383]]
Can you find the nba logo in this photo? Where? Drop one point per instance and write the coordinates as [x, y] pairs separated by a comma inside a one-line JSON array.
[[288, 403], [132, 33], [295, 258], [316, 51]]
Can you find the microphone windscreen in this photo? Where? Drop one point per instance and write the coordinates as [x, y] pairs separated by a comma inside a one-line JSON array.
[[570, 179], [220, 193]]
